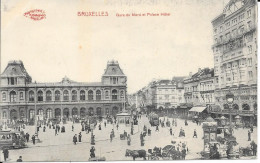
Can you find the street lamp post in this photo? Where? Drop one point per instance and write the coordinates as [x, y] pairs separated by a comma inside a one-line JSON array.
[[230, 99]]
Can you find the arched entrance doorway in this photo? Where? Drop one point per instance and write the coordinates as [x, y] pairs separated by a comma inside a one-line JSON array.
[[82, 112], [66, 113], [90, 111], [114, 111], [13, 115], [74, 112], [57, 113], [99, 111]]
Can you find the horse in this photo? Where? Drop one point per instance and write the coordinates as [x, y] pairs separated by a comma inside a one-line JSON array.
[[136, 153]]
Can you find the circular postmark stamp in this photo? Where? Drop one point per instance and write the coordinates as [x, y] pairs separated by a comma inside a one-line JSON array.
[[36, 14]]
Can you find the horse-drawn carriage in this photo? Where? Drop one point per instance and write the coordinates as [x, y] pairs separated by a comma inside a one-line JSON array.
[[169, 152]]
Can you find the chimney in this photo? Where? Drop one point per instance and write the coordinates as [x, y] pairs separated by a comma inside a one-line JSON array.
[[190, 74]]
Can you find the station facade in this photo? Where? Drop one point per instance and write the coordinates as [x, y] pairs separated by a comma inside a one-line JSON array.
[[22, 99]]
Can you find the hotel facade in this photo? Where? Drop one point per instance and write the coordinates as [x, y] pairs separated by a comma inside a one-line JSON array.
[[235, 59], [22, 99]]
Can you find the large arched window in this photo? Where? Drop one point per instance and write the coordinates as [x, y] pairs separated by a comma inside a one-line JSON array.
[[66, 113], [65, 95], [226, 106], [82, 112], [31, 113], [235, 107], [90, 95], [74, 95], [49, 113], [74, 112], [48, 96], [246, 107], [57, 113], [57, 95], [98, 95], [82, 95], [31, 96], [114, 94], [12, 96], [40, 96]]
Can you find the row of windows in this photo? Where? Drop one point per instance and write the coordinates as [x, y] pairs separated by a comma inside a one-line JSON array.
[[57, 112], [57, 95], [234, 21]]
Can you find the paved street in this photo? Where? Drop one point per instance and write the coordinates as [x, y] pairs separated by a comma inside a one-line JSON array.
[[61, 147]]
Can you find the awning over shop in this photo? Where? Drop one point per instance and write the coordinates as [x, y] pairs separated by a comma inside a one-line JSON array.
[[197, 109]]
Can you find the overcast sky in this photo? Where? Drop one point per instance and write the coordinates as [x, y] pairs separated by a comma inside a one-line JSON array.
[[79, 47]]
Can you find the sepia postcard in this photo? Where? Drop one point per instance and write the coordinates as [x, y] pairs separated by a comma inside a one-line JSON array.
[[125, 80]]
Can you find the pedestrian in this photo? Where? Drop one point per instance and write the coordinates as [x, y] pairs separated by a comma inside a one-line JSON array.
[[183, 153], [128, 140], [33, 139], [170, 131], [113, 133], [44, 128], [132, 130], [80, 136], [92, 139], [92, 152], [249, 135], [6, 153], [111, 137], [105, 124], [72, 127], [125, 133], [253, 147], [19, 159], [75, 139], [99, 126], [117, 126], [195, 133], [56, 131], [27, 137], [149, 132]]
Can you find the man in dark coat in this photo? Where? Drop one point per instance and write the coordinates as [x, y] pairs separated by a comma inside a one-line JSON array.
[[44, 128], [75, 139], [80, 137], [170, 131], [33, 139], [27, 137], [6, 153]]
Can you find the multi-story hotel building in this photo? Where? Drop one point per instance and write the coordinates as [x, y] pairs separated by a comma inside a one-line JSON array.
[[22, 99], [235, 58]]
